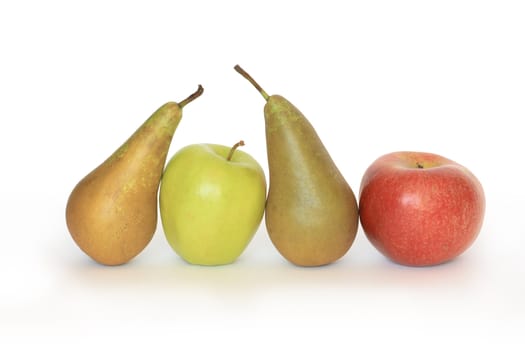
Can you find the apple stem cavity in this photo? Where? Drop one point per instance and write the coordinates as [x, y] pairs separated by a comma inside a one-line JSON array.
[[230, 155], [251, 80], [192, 97]]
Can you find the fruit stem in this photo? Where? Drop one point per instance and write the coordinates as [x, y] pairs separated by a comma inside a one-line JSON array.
[[419, 165], [230, 155], [251, 80], [192, 96]]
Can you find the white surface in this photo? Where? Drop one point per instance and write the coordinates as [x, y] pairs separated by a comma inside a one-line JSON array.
[[372, 76]]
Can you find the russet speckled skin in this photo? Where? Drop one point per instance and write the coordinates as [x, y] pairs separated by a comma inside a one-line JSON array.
[[311, 211], [112, 212]]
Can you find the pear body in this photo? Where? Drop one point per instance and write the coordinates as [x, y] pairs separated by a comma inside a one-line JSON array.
[[112, 212], [311, 211]]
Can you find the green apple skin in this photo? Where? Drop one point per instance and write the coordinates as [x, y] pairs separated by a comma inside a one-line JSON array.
[[211, 207]]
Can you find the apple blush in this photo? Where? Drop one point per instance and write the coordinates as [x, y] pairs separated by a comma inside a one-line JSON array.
[[420, 209]]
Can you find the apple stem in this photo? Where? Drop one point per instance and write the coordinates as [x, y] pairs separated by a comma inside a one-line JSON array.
[[419, 165], [251, 80], [230, 155], [192, 96]]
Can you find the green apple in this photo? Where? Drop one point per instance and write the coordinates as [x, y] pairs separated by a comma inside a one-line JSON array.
[[212, 200]]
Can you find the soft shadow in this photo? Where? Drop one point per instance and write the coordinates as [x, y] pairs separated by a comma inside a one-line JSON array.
[[250, 277]]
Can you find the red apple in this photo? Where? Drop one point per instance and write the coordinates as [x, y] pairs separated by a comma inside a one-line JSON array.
[[420, 209]]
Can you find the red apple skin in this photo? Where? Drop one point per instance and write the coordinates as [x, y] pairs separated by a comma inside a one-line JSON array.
[[420, 209]]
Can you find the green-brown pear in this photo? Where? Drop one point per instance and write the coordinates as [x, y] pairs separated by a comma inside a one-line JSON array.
[[112, 212], [311, 211]]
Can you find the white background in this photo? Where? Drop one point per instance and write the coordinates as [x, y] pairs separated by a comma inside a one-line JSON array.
[[77, 78]]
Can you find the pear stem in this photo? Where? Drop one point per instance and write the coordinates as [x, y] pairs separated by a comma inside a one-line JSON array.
[[230, 155], [251, 80], [192, 97]]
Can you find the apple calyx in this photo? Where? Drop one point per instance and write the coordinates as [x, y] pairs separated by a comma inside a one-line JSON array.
[[419, 165], [230, 155], [192, 97]]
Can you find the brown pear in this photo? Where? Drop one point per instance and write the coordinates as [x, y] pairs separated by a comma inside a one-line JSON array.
[[112, 212], [311, 211]]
